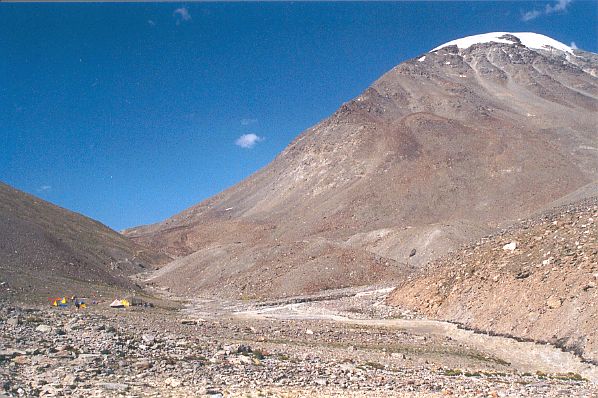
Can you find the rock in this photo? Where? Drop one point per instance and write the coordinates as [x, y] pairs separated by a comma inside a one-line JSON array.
[[192, 321], [321, 381], [523, 274], [21, 360], [70, 380], [413, 252], [86, 359], [49, 390], [240, 360], [173, 382], [44, 328], [15, 321], [114, 386], [554, 302], [10, 353], [143, 364], [149, 339], [309, 331], [510, 246]]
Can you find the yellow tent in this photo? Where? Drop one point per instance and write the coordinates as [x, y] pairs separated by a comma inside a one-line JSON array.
[[59, 302], [120, 303]]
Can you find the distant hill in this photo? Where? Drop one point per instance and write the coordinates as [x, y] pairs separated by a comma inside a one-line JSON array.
[[538, 280], [442, 149], [47, 251]]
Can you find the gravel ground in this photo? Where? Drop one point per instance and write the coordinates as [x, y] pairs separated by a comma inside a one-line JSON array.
[[154, 352]]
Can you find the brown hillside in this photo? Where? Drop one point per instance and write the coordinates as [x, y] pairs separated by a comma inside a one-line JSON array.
[[440, 150], [46, 251], [538, 280]]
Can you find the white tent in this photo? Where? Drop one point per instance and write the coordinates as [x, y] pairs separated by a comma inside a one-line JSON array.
[[117, 304]]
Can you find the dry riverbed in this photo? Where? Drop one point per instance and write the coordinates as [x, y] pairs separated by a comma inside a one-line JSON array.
[[345, 344]]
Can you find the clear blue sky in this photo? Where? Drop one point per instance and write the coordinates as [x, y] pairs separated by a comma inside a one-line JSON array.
[[130, 113]]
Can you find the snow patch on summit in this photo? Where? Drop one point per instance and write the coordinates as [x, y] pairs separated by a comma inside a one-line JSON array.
[[528, 39]]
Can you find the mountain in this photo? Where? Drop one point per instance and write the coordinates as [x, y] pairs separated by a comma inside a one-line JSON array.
[[47, 251], [442, 149], [537, 280]]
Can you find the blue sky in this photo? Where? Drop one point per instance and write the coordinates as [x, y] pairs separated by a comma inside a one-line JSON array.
[[130, 113]]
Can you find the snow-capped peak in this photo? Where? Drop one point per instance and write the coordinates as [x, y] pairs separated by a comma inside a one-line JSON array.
[[528, 39]]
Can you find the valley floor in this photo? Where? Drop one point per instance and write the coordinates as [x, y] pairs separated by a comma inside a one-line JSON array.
[[343, 343]]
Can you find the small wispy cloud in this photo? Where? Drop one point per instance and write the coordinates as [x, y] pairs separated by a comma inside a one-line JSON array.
[[181, 15], [529, 15], [573, 45], [248, 141], [247, 121], [44, 188], [560, 5], [551, 8], [151, 23]]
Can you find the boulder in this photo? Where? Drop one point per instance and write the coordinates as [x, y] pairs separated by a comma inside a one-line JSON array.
[[44, 328]]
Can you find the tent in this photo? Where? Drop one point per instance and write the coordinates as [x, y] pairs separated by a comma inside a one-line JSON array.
[[119, 303], [59, 302], [80, 302]]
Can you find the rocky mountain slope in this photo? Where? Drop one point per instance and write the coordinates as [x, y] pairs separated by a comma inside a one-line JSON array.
[[538, 280], [47, 251], [442, 149]]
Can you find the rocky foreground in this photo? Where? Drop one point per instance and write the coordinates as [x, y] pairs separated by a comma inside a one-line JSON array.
[[101, 352]]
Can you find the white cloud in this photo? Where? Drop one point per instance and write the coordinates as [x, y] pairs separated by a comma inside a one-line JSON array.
[[44, 188], [151, 23], [181, 15], [529, 15], [247, 122], [561, 5], [248, 141], [558, 6], [573, 45]]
